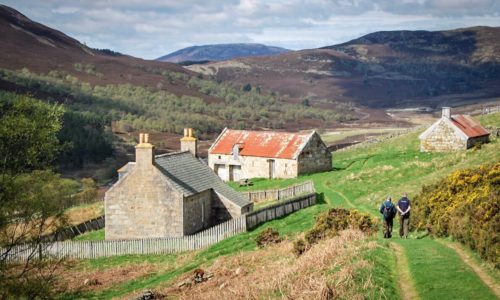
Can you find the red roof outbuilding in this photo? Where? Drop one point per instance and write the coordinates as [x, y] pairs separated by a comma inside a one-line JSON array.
[[469, 126]]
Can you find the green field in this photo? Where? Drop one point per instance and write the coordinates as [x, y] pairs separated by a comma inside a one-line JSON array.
[[361, 179], [97, 235]]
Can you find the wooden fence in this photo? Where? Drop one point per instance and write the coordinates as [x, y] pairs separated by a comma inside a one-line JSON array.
[[76, 230], [281, 194], [279, 210], [96, 249]]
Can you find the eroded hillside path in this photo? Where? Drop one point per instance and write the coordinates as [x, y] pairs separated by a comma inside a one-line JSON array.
[[406, 285], [467, 259]]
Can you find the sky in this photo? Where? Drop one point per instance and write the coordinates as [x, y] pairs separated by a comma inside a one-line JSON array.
[[150, 29]]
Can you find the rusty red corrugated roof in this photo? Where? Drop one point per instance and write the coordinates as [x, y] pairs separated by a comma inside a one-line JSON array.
[[272, 144], [469, 126]]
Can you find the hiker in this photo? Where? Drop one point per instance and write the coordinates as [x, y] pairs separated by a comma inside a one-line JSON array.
[[388, 211], [403, 208]]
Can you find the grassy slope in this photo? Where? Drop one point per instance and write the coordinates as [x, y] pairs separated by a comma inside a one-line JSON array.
[[288, 226], [97, 235], [361, 179]]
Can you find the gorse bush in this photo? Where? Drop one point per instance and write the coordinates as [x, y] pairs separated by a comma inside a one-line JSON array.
[[329, 223], [267, 237], [466, 206]]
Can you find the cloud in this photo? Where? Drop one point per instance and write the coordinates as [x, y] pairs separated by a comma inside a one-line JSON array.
[[150, 29], [65, 10]]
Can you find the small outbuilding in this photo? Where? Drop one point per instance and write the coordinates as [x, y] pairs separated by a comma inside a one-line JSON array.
[[173, 194], [452, 132], [243, 154]]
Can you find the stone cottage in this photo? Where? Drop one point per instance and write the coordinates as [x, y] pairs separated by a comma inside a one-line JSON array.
[[172, 194], [242, 154], [457, 132]]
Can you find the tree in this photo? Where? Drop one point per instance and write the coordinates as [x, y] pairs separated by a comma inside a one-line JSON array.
[[28, 129], [32, 197], [89, 192], [247, 87]]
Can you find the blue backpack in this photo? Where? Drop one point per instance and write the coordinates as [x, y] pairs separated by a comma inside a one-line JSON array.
[[388, 211]]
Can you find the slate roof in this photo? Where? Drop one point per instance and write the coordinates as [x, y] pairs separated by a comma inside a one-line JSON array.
[[272, 144], [190, 176], [469, 126]]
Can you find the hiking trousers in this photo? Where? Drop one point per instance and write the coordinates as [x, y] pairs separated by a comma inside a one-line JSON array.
[[388, 227], [404, 222]]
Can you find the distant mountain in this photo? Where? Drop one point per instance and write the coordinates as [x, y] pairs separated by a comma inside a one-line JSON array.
[[381, 69], [469, 46], [220, 52]]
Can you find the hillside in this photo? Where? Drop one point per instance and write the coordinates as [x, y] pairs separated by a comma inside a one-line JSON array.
[[370, 268], [381, 70], [40, 49], [219, 52], [104, 91]]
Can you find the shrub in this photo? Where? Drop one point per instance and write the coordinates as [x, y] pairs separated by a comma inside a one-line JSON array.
[[329, 223], [466, 206], [268, 236], [299, 246]]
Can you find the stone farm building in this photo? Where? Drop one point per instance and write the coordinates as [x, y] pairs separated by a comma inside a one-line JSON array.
[[457, 132], [172, 194], [242, 154]]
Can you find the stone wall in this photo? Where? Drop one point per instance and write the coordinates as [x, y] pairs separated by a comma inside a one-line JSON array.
[[223, 209], [477, 140], [442, 138], [197, 212], [315, 157], [142, 205]]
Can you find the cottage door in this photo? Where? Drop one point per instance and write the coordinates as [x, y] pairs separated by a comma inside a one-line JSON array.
[[222, 171], [272, 170], [236, 173]]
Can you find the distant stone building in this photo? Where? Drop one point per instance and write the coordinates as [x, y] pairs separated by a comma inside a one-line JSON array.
[[173, 194], [457, 132], [242, 154]]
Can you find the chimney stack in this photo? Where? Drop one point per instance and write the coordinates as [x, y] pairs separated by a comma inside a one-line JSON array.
[[189, 142], [144, 151], [446, 112]]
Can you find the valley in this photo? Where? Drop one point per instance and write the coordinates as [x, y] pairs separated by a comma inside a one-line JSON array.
[[74, 120]]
